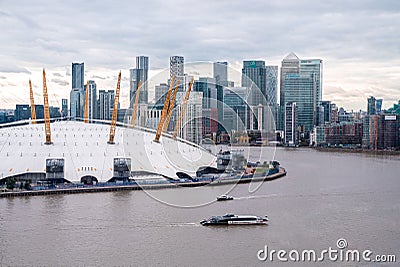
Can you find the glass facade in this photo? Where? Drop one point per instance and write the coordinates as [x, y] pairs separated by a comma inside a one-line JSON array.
[[301, 89], [139, 74]]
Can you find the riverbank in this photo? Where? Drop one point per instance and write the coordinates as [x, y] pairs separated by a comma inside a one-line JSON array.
[[357, 150], [96, 189]]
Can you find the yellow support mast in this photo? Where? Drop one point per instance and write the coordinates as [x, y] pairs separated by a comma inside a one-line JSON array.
[[46, 111], [171, 106], [178, 123], [86, 110], [115, 112], [33, 109], [134, 111], [164, 112]]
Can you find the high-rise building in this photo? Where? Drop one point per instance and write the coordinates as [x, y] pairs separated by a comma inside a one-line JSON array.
[[378, 106], [161, 91], [236, 111], [271, 73], [106, 104], [92, 108], [300, 89], [313, 68], [220, 70], [64, 107], [212, 103], [371, 108], [77, 102], [291, 124], [191, 125], [290, 64], [76, 96], [327, 111], [254, 72], [78, 75], [177, 69], [139, 74]]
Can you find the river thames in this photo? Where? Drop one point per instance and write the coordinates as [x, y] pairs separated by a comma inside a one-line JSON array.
[[325, 196]]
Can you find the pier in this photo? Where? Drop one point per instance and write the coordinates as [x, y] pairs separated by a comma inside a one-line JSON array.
[[112, 188]]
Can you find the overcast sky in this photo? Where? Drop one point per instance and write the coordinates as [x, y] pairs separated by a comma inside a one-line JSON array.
[[358, 41]]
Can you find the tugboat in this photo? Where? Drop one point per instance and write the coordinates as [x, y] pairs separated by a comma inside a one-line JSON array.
[[224, 198], [228, 219]]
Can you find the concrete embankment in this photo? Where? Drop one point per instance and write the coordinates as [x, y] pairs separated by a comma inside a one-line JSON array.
[[94, 189]]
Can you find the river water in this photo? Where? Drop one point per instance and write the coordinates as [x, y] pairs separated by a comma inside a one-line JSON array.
[[324, 197]]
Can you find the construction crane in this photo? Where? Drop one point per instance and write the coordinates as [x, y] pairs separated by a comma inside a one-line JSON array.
[[46, 111], [115, 111], [86, 110], [178, 123], [164, 112], [134, 111], [171, 107], [33, 110]]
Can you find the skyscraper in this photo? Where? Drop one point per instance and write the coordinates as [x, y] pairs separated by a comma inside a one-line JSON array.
[[300, 89], [290, 64], [313, 67], [75, 103], [78, 75], [254, 72], [139, 74], [77, 98], [177, 69], [371, 108], [92, 109], [220, 71], [291, 123], [106, 104], [161, 93], [271, 73]]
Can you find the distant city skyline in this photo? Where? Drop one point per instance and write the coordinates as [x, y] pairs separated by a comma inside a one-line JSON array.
[[360, 58]]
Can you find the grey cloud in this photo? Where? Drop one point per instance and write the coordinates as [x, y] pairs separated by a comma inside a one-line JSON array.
[[56, 74], [98, 77], [13, 69], [60, 82]]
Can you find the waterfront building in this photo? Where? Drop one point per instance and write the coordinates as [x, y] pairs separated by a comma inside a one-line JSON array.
[[291, 124], [378, 106], [313, 68], [39, 112], [136, 75], [300, 89], [395, 109], [327, 110]]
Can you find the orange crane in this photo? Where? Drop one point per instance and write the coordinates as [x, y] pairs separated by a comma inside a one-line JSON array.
[[46, 111], [178, 123], [171, 106], [164, 112], [134, 111], [86, 110], [33, 110], [115, 111]]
